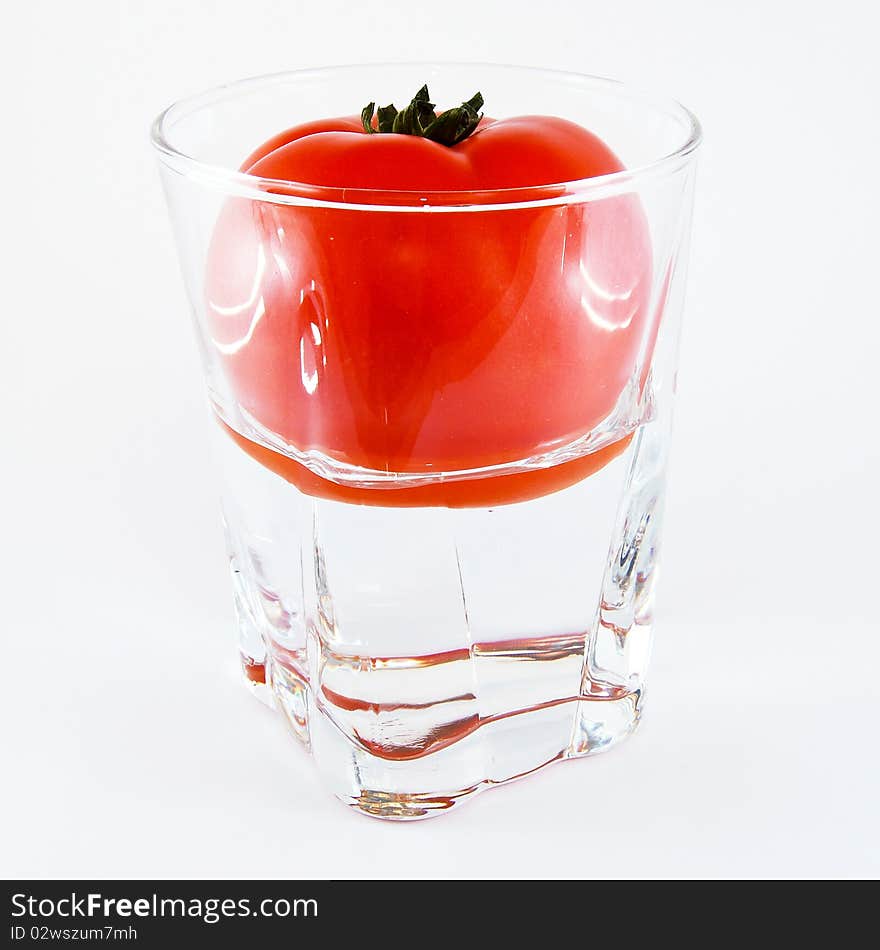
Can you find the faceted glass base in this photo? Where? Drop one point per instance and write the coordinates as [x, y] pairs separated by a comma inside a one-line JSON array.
[[426, 653], [417, 783]]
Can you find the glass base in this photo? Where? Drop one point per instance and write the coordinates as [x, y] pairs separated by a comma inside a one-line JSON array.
[[424, 654], [384, 780]]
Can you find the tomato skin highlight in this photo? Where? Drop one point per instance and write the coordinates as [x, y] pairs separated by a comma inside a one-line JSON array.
[[404, 341]]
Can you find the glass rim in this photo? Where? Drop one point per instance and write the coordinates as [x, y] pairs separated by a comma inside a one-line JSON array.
[[279, 191]]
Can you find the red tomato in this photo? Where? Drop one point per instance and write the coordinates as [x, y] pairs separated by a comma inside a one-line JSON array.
[[419, 341]]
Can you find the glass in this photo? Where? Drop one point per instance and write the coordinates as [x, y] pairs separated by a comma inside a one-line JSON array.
[[442, 423]]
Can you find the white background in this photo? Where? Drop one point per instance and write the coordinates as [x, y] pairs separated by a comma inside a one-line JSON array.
[[129, 747]]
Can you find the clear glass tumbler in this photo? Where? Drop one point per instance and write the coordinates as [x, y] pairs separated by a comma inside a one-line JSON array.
[[442, 421]]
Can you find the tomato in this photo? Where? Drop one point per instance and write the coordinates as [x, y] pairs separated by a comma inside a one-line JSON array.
[[408, 340]]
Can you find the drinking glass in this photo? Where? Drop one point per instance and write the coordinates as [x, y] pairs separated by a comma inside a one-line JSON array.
[[441, 424]]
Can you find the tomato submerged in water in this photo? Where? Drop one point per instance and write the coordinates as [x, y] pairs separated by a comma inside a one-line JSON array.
[[417, 332]]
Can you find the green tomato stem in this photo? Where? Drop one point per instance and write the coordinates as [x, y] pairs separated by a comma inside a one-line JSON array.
[[419, 118]]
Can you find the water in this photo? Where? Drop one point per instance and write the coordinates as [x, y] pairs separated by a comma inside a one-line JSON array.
[[426, 653]]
